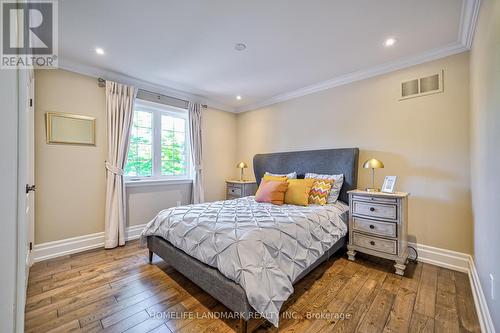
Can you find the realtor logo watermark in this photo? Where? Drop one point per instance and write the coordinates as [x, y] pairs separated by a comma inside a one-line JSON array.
[[29, 36]]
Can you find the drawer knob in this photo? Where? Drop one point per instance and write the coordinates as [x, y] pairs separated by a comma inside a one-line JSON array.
[[372, 226], [372, 209], [372, 243]]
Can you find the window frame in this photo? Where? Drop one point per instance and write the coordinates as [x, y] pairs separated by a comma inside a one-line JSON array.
[[157, 110]]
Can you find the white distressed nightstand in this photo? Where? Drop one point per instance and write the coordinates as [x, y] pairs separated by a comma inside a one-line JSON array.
[[240, 188], [378, 225]]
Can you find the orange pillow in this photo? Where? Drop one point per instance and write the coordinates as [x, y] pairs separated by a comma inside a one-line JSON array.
[[298, 191], [271, 191], [275, 178]]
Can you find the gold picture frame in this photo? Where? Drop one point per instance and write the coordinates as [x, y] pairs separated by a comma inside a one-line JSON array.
[[70, 129]]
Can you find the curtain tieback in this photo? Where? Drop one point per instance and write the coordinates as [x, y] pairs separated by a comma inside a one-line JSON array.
[[198, 167], [114, 169]]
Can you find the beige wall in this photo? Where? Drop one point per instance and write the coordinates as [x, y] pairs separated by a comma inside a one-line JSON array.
[[424, 141], [70, 179], [219, 152], [485, 152]]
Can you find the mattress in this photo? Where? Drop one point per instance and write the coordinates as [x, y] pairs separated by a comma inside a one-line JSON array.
[[262, 247]]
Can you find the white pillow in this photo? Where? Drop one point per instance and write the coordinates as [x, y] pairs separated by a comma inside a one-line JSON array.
[[292, 175], [338, 180]]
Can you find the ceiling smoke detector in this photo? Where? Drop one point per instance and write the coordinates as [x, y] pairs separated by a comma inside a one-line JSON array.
[[240, 46]]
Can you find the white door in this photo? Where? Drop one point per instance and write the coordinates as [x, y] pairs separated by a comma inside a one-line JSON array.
[[30, 167], [26, 176]]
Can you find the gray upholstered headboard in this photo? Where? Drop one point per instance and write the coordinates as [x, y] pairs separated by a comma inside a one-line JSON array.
[[327, 161]]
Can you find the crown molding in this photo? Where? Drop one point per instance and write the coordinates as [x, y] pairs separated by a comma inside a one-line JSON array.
[[468, 20], [385, 68], [138, 83]]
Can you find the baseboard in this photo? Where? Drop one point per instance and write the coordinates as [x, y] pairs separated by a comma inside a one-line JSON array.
[[480, 300], [461, 262], [67, 246], [456, 261]]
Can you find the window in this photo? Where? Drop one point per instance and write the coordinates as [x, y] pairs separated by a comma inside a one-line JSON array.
[[159, 146]]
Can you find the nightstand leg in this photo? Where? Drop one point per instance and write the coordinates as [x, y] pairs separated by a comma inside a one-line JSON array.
[[351, 253], [400, 267]]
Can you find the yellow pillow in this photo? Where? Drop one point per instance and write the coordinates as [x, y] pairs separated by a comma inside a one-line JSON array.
[[320, 191], [298, 191], [275, 178]]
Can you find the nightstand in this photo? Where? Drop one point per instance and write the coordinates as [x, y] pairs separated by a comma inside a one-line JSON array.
[[378, 225], [240, 188]]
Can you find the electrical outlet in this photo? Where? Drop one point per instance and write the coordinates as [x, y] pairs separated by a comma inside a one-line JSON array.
[[492, 286]]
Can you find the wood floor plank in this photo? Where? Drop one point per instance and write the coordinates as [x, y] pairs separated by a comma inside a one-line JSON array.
[[374, 321], [161, 329], [127, 323], [421, 323], [426, 295], [400, 315], [62, 320], [465, 304], [117, 290], [446, 320]]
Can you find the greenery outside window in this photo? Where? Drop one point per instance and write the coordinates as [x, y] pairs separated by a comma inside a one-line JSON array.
[[159, 146]]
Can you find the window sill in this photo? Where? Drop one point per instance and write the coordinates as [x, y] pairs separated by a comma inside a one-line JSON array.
[[156, 182]]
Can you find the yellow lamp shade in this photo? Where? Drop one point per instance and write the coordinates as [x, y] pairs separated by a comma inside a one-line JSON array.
[[242, 165], [373, 163]]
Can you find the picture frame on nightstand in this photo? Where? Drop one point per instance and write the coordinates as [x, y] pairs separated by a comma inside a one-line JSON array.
[[389, 184]]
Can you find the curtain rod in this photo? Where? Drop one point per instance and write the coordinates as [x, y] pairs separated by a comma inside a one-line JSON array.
[[102, 83]]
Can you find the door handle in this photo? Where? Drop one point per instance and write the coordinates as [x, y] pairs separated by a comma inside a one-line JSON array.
[[30, 188]]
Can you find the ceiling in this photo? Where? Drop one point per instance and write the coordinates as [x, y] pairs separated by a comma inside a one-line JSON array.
[[293, 47]]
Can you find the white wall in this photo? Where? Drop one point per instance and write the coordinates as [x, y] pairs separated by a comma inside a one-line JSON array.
[[144, 202], [485, 150], [8, 198]]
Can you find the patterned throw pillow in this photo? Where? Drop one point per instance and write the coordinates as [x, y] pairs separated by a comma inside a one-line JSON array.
[[338, 180], [320, 190], [291, 175]]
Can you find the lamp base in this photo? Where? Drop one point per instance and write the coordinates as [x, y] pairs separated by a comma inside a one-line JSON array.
[[372, 190]]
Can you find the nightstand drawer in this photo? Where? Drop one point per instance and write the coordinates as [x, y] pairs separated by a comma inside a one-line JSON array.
[[234, 191], [375, 210], [374, 199], [388, 229], [375, 243]]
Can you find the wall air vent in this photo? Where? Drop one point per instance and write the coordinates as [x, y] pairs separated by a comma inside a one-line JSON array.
[[426, 85]]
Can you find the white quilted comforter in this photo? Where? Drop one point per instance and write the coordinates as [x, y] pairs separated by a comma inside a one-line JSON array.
[[260, 246]]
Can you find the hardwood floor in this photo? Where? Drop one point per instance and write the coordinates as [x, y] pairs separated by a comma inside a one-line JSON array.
[[117, 290]]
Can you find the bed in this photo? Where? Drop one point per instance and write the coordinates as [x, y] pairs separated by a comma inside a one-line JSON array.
[[248, 255]]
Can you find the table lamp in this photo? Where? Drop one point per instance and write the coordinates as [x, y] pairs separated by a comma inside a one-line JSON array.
[[373, 164], [241, 165]]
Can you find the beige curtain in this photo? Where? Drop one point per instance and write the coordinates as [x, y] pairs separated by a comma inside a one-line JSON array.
[[119, 114], [195, 121]]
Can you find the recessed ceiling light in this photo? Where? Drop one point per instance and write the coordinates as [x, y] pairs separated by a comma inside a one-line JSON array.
[[99, 51], [390, 42], [240, 46], [238, 97]]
